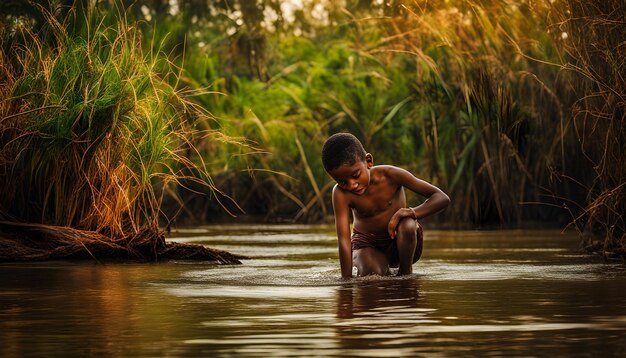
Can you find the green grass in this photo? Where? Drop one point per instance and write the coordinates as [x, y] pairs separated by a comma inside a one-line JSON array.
[[513, 108], [92, 130]]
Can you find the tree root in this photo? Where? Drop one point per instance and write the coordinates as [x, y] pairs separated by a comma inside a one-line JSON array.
[[36, 242]]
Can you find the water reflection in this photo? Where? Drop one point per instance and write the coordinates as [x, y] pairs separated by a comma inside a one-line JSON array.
[[83, 309], [82, 298], [375, 313], [499, 293], [377, 298]]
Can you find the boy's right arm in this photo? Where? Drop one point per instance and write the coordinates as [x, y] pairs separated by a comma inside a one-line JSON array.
[[342, 225]]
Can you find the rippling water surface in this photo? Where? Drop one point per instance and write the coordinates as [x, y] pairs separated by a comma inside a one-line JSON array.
[[474, 293]]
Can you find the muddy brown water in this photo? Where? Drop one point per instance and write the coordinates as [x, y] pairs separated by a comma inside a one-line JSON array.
[[474, 293]]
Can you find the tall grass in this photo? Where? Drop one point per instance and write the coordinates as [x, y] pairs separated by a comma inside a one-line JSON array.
[[595, 51], [447, 90], [93, 130], [486, 113], [475, 96]]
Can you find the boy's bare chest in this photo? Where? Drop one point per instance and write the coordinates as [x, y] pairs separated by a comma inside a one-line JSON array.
[[385, 199]]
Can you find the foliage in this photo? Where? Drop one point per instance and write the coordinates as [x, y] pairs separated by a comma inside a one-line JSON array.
[[91, 133], [485, 110], [497, 102], [595, 52], [451, 91]]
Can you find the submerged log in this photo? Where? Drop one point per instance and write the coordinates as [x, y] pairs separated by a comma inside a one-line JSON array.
[[37, 242]]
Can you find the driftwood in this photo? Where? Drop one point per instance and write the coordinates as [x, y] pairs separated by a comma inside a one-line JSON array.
[[36, 242]]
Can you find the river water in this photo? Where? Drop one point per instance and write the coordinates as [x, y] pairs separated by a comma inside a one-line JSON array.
[[474, 293]]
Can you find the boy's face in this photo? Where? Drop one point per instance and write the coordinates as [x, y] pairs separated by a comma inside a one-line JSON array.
[[354, 178]]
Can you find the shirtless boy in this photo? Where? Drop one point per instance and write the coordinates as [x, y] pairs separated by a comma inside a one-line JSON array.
[[386, 232]]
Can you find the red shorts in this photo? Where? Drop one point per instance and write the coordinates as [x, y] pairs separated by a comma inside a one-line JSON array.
[[385, 244]]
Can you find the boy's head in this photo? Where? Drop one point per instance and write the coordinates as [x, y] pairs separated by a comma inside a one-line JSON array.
[[340, 149]]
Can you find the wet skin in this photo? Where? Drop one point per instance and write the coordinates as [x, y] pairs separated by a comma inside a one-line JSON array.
[[375, 195]]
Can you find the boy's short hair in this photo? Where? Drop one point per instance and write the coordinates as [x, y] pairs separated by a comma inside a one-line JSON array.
[[340, 149]]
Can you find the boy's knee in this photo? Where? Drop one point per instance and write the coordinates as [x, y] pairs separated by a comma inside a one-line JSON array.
[[407, 228], [372, 269], [369, 266]]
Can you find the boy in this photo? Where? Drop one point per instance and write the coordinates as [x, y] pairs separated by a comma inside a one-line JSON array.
[[385, 232]]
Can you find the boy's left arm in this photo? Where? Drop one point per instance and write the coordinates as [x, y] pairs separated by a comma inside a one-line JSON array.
[[436, 200]]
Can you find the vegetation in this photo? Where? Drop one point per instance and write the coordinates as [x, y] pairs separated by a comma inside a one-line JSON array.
[[596, 53], [91, 137], [515, 108], [456, 92]]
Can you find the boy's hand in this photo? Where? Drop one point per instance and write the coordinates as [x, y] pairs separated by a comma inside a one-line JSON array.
[[395, 220]]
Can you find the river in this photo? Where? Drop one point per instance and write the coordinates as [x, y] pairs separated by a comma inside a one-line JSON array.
[[473, 293]]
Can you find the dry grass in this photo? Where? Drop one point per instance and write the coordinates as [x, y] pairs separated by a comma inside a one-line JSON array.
[[596, 52], [93, 132]]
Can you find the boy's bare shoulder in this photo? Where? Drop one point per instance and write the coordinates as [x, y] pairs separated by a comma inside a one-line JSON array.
[[338, 192], [387, 170], [393, 175], [339, 197]]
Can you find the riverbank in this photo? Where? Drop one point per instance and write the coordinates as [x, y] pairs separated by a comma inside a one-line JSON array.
[[37, 242]]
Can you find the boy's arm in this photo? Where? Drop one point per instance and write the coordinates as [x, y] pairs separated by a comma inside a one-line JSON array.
[[342, 225], [436, 200]]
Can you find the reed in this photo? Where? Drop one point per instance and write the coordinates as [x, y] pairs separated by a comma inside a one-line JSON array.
[[595, 52], [475, 96], [446, 90], [91, 133], [490, 125]]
